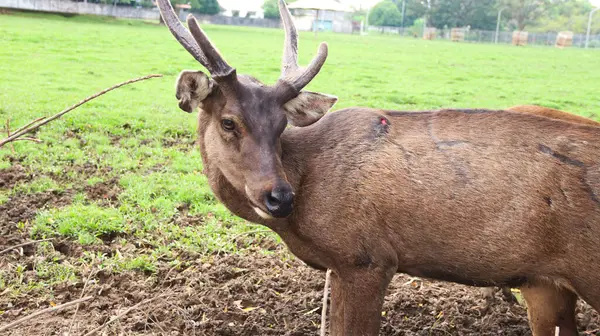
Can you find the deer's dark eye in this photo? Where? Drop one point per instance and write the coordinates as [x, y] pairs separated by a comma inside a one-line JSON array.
[[228, 125]]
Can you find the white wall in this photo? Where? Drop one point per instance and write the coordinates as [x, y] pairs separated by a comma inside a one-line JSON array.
[[65, 6]]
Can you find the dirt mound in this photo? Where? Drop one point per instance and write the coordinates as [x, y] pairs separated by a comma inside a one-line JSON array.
[[257, 294], [106, 193], [23, 208], [9, 177]]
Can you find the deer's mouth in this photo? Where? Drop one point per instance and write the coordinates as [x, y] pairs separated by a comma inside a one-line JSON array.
[[276, 203], [263, 213]]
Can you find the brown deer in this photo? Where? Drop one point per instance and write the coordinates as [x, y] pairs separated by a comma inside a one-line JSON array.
[[478, 197]]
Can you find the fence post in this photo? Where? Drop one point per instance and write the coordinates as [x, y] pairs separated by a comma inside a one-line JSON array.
[[498, 24], [589, 27]]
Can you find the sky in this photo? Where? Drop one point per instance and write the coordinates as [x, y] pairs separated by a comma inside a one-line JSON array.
[[356, 3]]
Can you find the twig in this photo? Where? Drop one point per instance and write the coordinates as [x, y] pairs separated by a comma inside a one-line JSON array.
[[8, 134], [44, 311], [23, 244], [25, 130], [80, 296], [123, 314], [31, 123], [29, 139], [324, 310]]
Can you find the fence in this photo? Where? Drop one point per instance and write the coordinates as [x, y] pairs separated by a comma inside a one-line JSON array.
[[232, 20], [486, 36], [62, 6], [473, 36]]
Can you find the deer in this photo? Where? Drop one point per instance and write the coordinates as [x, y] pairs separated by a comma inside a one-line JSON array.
[[473, 196]]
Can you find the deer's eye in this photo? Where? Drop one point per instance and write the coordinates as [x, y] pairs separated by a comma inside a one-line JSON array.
[[228, 125]]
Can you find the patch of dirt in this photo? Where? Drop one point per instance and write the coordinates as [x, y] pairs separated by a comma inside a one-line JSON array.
[[257, 294], [115, 140], [106, 193], [13, 175], [84, 171], [23, 208]]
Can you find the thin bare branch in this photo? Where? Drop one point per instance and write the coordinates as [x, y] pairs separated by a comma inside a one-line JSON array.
[[8, 134], [26, 130], [141, 303], [31, 123], [28, 139], [44, 311], [24, 244], [324, 310], [80, 296]]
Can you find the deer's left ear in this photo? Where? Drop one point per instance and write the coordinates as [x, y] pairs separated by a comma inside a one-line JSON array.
[[308, 107]]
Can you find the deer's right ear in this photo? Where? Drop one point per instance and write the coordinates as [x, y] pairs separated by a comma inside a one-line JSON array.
[[192, 88]]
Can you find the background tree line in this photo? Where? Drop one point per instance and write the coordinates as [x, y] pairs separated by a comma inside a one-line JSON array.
[[533, 15]]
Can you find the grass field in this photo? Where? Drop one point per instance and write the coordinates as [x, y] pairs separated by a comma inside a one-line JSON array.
[[122, 174]]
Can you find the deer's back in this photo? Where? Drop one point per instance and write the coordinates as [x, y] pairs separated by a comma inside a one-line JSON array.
[[486, 185]]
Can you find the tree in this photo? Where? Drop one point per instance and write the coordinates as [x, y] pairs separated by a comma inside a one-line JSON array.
[[271, 8], [209, 7], [385, 13], [566, 15], [413, 10], [524, 12], [479, 14]]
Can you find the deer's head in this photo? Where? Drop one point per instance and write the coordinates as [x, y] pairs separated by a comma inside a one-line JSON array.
[[243, 118]]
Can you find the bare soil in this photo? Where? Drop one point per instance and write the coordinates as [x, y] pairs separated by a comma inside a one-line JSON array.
[[256, 294], [106, 193], [9, 177]]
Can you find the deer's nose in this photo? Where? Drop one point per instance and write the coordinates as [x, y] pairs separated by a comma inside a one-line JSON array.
[[279, 201]]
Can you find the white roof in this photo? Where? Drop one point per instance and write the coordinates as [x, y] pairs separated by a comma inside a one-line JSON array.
[[364, 4], [329, 5], [242, 5]]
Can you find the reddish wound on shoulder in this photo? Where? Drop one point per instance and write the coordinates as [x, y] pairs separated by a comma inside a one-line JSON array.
[[384, 121]]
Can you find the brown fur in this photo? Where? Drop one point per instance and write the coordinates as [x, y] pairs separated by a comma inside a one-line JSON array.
[[553, 114], [479, 197]]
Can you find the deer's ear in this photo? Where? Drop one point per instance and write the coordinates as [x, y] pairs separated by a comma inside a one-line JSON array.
[[308, 107], [192, 88]]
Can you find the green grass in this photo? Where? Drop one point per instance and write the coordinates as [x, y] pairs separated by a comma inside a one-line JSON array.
[[138, 137]]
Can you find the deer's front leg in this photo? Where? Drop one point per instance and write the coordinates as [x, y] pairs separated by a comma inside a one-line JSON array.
[[363, 292], [336, 312]]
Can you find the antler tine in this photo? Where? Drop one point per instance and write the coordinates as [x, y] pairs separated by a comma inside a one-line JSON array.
[[203, 51], [218, 65], [179, 32], [312, 70], [290, 70], [290, 46]]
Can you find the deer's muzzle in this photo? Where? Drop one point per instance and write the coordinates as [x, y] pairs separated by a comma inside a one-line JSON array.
[[279, 201]]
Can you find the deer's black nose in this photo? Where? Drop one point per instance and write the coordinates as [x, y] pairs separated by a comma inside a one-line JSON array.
[[279, 201]]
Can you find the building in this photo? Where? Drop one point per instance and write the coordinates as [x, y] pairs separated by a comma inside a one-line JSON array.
[[321, 15], [243, 8]]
